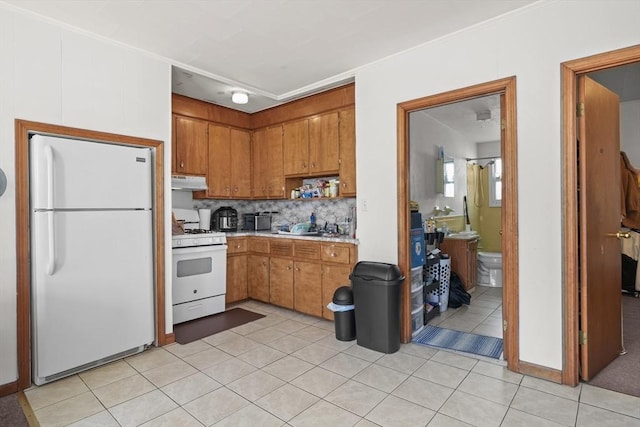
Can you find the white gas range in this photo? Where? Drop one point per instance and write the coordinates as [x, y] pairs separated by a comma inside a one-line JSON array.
[[199, 259]]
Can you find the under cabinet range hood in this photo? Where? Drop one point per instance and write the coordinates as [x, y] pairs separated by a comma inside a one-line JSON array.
[[188, 183]]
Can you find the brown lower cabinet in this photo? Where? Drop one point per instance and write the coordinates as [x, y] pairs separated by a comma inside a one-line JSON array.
[[281, 282], [236, 270], [307, 290], [258, 277], [298, 274], [236, 278], [463, 253]]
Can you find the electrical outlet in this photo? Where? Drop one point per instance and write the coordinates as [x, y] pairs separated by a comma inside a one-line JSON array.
[[365, 206]]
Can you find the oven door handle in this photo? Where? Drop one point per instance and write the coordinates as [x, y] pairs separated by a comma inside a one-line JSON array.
[[199, 249]]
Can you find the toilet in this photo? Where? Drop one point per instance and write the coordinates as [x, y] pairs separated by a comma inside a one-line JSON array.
[[490, 269]]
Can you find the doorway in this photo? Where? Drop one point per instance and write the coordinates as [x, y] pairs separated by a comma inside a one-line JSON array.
[[454, 166], [574, 283], [506, 89]]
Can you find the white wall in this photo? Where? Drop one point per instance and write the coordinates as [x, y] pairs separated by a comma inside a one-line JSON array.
[[487, 149], [426, 134], [529, 44], [53, 75], [630, 130]]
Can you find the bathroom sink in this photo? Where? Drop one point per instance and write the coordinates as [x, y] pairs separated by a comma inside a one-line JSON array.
[[463, 235]]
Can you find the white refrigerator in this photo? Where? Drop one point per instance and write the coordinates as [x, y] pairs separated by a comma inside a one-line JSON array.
[[92, 258]]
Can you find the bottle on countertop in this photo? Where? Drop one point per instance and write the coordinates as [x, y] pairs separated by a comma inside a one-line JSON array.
[[312, 220]]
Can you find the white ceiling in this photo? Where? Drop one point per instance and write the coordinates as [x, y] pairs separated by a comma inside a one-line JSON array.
[[462, 117], [276, 50], [623, 80]]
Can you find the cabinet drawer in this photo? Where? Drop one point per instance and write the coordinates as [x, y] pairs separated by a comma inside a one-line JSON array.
[[281, 247], [236, 245], [307, 250], [259, 245], [335, 253]]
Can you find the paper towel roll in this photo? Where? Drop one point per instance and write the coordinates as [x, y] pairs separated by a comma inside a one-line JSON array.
[[205, 218]]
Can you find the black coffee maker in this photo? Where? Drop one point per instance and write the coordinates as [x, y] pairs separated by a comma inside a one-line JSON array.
[[225, 219]]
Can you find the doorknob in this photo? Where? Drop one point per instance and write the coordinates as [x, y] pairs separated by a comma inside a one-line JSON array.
[[620, 235]]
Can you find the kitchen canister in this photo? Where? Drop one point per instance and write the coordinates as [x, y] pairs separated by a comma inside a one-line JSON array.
[[333, 187], [205, 218]]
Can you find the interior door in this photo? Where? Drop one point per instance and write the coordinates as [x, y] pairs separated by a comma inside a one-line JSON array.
[[599, 204]]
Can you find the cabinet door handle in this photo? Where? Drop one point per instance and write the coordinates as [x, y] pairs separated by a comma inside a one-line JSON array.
[[297, 269], [333, 254], [181, 165]]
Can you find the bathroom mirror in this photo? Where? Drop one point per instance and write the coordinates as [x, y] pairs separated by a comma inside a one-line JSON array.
[[445, 174]]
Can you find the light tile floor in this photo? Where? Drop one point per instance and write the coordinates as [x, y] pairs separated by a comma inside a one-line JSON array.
[[288, 369], [482, 317]]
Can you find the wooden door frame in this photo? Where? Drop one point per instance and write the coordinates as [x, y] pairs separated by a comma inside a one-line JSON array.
[[23, 280], [571, 279], [510, 310]]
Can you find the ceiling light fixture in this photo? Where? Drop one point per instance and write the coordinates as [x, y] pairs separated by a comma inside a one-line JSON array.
[[239, 97], [483, 116]]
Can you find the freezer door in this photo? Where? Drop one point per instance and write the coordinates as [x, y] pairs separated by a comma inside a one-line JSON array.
[[92, 287], [77, 174]]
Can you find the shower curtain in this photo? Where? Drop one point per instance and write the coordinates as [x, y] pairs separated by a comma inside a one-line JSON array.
[[485, 220]]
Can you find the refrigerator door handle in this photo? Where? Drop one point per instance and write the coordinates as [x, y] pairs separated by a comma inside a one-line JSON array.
[[51, 262], [48, 155]]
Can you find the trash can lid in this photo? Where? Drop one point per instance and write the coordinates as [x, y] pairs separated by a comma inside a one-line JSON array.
[[343, 296], [377, 270]]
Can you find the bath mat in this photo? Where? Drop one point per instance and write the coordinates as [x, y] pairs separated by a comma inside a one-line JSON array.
[[460, 341], [199, 328]]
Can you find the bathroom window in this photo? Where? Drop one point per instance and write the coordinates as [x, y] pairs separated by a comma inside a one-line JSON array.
[[449, 178], [495, 183], [445, 174]]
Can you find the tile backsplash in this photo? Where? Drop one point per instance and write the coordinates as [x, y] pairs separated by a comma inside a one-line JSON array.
[[330, 210]]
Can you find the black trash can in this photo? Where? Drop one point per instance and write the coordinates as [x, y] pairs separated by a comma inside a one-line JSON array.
[[345, 321], [376, 296]]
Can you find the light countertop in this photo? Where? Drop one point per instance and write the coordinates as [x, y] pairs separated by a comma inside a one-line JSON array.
[[273, 234], [464, 235]]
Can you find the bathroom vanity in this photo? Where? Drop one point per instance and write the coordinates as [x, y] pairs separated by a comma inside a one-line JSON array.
[[463, 251]]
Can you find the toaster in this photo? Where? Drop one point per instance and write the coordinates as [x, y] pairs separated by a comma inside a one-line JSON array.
[[256, 222]]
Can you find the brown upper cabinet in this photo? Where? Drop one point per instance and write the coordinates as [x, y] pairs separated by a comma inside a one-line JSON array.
[[250, 155], [191, 146], [296, 148], [229, 151], [311, 146], [268, 174], [348, 152], [324, 144]]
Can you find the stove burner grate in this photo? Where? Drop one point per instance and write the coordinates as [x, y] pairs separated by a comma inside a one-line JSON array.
[[196, 231]]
